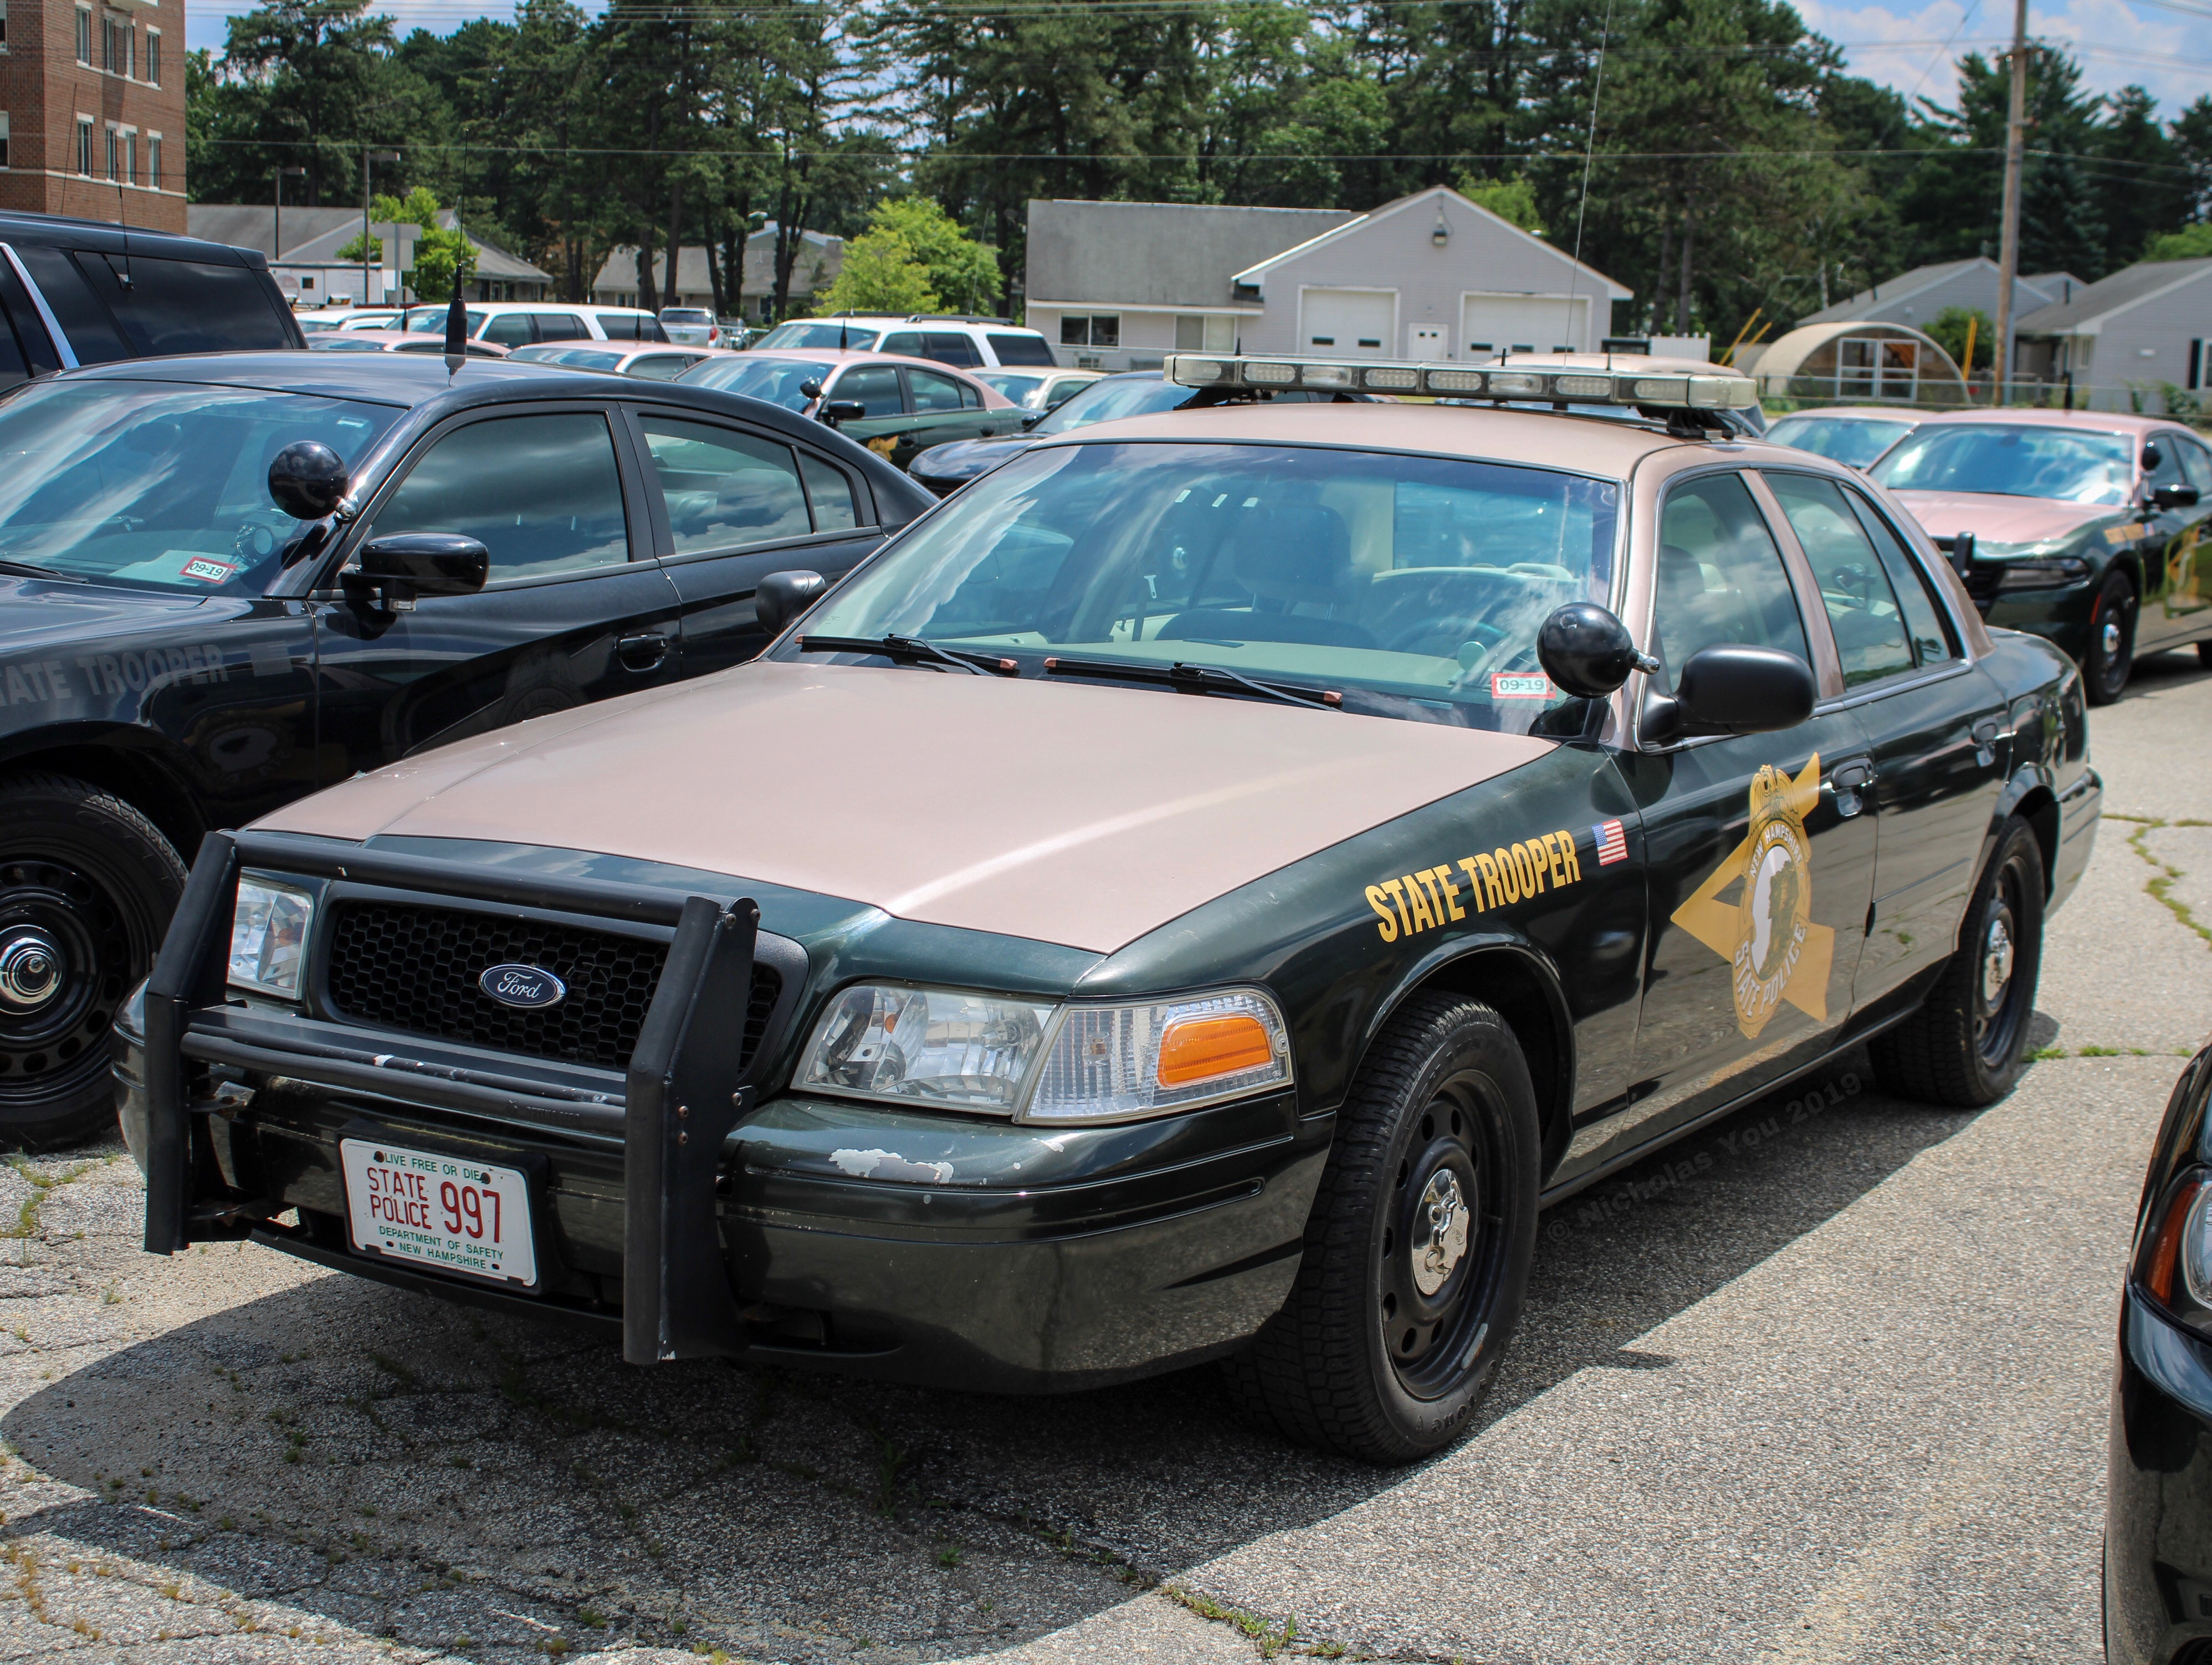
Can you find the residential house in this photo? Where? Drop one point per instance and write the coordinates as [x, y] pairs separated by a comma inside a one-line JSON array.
[[820, 259], [1915, 297], [303, 254], [1118, 285], [92, 110], [2122, 341]]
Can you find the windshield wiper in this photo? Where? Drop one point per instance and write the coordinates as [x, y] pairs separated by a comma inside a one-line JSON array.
[[1198, 679], [911, 648], [31, 569]]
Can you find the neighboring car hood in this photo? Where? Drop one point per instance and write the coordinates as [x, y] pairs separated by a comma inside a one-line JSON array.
[[1080, 815], [964, 460], [2004, 520]]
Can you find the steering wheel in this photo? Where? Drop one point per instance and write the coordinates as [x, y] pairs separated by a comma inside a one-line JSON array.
[[261, 534]]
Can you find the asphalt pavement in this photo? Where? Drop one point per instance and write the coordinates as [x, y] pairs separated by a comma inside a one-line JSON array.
[[1825, 1382]]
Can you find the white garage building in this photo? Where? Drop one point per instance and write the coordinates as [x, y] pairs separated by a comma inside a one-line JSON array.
[[1118, 285]]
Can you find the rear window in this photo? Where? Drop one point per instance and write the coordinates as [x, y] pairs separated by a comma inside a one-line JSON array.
[[631, 326], [1021, 349], [686, 315], [167, 307], [823, 332]]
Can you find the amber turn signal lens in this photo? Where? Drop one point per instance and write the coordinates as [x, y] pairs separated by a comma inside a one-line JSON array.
[[1200, 1048], [2162, 1265]]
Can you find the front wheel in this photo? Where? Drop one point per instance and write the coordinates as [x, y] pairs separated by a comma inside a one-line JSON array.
[[1417, 1249], [1964, 1045], [2112, 641], [86, 887]]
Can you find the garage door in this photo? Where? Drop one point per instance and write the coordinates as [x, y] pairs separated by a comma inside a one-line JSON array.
[[1356, 323], [1522, 323]]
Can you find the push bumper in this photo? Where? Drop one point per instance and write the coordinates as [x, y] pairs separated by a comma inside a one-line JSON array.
[[2158, 1520]]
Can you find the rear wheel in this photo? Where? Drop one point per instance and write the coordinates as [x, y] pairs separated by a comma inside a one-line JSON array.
[[86, 887], [1964, 1045], [1418, 1249], [2112, 640]]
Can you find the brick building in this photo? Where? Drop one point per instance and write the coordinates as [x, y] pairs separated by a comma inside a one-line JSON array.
[[92, 110]]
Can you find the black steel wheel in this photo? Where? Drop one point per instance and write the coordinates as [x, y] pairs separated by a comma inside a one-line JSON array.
[[2112, 640], [1418, 1249], [1966, 1043], [86, 887]]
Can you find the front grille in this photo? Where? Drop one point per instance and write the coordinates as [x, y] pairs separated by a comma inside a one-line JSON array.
[[399, 965]]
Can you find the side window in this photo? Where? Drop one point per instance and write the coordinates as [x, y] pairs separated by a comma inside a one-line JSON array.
[[13, 368], [830, 493], [1923, 615], [189, 306], [723, 488], [661, 367], [2197, 464], [83, 314], [1861, 605], [541, 493], [619, 326], [875, 386], [951, 347], [1021, 350], [907, 341], [933, 392], [507, 329], [560, 326], [1721, 578]]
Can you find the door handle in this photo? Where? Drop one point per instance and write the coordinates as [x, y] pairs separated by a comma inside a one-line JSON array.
[[644, 651], [1986, 735], [1847, 780]]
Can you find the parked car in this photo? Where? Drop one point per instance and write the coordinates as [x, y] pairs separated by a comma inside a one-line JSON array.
[[2082, 526], [1038, 390], [78, 292], [946, 468], [959, 339], [1196, 894], [196, 625], [618, 358], [691, 326], [519, 324], [896, 407], [394, 340], [1852, 434], [376, 318], [2158, 1457], [318, 323]]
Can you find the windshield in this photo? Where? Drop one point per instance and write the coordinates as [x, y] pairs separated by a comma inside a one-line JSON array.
[[833, 332], [778, 380], [431, 320], [587, 358], [1024, 390], [2013, 461], [1103, 401], [1414, 586], [158, 483], [1853, 439]]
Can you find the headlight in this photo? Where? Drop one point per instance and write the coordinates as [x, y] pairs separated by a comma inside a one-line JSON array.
[[1075, 1063], [2197, 1248], [2043, 572], [268, 937]]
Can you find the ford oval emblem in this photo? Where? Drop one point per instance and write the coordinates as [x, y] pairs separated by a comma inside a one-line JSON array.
[[531, 987]]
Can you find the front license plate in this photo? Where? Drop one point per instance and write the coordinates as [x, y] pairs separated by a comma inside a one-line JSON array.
[[446, 1212]]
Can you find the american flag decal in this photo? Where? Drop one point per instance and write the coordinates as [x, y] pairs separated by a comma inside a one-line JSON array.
[[1611, 843]]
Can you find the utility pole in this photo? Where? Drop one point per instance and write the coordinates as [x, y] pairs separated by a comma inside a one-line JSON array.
[[369, 156], [2009, 233], [276, 235]]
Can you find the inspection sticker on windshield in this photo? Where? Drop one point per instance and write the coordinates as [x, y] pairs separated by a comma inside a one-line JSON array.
[[1519, 685], [207, 569], [446, 1212]]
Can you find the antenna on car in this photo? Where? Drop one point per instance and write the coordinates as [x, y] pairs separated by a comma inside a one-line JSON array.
[[1590, 150], [457, 331]]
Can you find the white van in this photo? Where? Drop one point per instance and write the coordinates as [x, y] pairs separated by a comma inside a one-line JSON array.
[[518, 324], [960, 339]]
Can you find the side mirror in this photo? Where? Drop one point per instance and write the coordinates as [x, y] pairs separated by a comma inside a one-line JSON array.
[[1588, 651], [307, 479], [2153, 458], [839, 411], [2175, 497], [1734, 689], [1033, 419], [783, 597], [408, 564]]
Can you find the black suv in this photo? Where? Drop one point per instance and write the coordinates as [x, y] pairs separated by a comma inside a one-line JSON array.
[[80, 292]]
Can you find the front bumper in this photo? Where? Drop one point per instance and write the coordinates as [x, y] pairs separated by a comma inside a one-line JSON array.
[[2158, 1510], [941, 1249], [2060, 615]]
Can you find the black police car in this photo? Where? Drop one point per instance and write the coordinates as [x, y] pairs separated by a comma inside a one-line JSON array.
[[2158, 1510], [78, 292], [188, 638]]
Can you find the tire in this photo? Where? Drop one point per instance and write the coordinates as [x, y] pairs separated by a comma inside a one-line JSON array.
[[87, 888], [1362, 1359], [2112, 641], [2204, 655], [1965, 1045]]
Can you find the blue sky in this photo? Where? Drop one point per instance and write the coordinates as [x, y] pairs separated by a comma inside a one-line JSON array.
[[2163, 44]]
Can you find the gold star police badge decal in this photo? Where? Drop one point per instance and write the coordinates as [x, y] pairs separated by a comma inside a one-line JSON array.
[[1767, 934]]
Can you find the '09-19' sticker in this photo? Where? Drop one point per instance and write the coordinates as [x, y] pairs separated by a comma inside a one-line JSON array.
[[1422, 901]]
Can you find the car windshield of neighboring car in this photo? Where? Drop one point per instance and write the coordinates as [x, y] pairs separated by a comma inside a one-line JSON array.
[[779, 380], [686, 315], [310, 326], [161, 484], [2012, 461], [577, 358], [346, 341], [1103, 401], [431, 320], [823, 332], [1856, 441], [1026, 390], [1414, 586]]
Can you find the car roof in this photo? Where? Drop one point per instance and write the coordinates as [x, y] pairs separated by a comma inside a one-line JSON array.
[[1533, 437], [107, 237], [1859, 413], [2080, 421]]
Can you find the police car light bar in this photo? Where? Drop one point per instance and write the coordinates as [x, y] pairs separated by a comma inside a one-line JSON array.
[[1460, 382]]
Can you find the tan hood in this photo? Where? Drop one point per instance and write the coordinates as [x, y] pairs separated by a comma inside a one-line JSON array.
[[1074, 814], [2007, 520]]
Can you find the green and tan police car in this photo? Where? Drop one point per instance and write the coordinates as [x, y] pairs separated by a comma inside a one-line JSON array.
[[1196, 894]]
